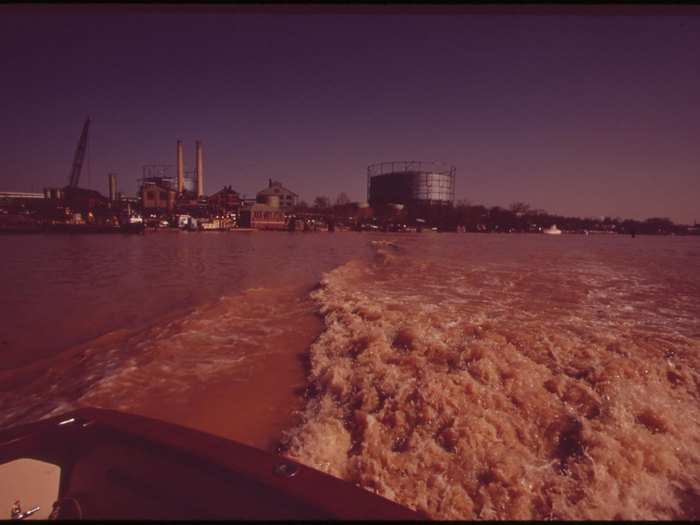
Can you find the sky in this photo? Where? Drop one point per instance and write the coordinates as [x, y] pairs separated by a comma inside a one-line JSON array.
[[583, 112]]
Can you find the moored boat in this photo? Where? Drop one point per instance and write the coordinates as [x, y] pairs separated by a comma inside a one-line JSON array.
[[552, 230]]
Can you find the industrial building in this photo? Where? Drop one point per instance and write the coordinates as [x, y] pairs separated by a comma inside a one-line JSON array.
[[277, 195], [162, 193], [157, 194], [262, 217], [72, 196], [21, 195], [19, 199], [73, 205], [225, 200], [415, 185]]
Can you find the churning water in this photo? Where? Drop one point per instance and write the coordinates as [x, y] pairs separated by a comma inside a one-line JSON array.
[[467, 376]]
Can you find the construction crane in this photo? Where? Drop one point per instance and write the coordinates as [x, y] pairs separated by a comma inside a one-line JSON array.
[[79, 156]]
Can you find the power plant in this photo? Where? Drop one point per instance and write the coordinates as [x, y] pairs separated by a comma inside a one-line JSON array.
[[402, 192], [401, 196], [160, 191]]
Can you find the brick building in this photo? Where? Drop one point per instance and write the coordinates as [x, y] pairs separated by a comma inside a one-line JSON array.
[[157, 195], [225, 200]]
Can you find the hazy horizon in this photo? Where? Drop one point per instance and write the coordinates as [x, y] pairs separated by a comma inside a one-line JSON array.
[[579, 115]]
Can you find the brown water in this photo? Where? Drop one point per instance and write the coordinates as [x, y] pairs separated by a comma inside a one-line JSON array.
[[208, 329], [468, 376]]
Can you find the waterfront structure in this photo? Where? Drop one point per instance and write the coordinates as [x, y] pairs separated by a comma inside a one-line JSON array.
[[21, 200], [72, 196], [157, 194], [417, 185], [276, 194], [225, 203], [81, 199], [262, 217], [247, 202], [14, 195], [226, 199]]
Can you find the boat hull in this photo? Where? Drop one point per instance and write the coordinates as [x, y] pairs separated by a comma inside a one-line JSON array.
[[121, 466]]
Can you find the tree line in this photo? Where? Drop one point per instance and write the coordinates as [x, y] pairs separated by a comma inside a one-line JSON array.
[[519, 217]]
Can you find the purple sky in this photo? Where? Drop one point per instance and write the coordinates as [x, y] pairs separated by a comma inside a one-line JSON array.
[[577, 114]]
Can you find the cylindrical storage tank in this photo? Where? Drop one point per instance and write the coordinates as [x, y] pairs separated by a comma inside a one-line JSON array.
[[410, 183], [429, 186], [273, 200]]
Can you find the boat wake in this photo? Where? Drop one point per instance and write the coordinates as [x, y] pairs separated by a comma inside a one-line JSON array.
[[474, 394], [161, 370]]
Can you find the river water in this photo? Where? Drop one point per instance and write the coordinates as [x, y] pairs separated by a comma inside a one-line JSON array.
[[469, 376]]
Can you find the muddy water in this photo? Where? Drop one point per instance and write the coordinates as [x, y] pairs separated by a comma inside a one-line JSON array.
[[468, 376], [521, 377], [206, 330]]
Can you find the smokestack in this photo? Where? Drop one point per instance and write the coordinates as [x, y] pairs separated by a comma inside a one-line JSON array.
[[112, 187], [199, 170], [180, 168]]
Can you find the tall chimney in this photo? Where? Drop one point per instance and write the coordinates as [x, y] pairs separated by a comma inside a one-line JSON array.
[[180, 168], [112, 187], [199, 170]]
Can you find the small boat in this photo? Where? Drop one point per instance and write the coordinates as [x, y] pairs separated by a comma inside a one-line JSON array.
[[552, 230], [126, 467]]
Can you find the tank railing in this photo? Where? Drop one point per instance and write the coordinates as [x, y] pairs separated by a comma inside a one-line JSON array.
[[401, 166]]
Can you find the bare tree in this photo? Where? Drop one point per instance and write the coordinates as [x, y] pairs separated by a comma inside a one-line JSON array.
[[342, 199], [519, 208], [322, 203]]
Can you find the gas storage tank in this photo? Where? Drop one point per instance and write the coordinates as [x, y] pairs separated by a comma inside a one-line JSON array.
[[410, 183]]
